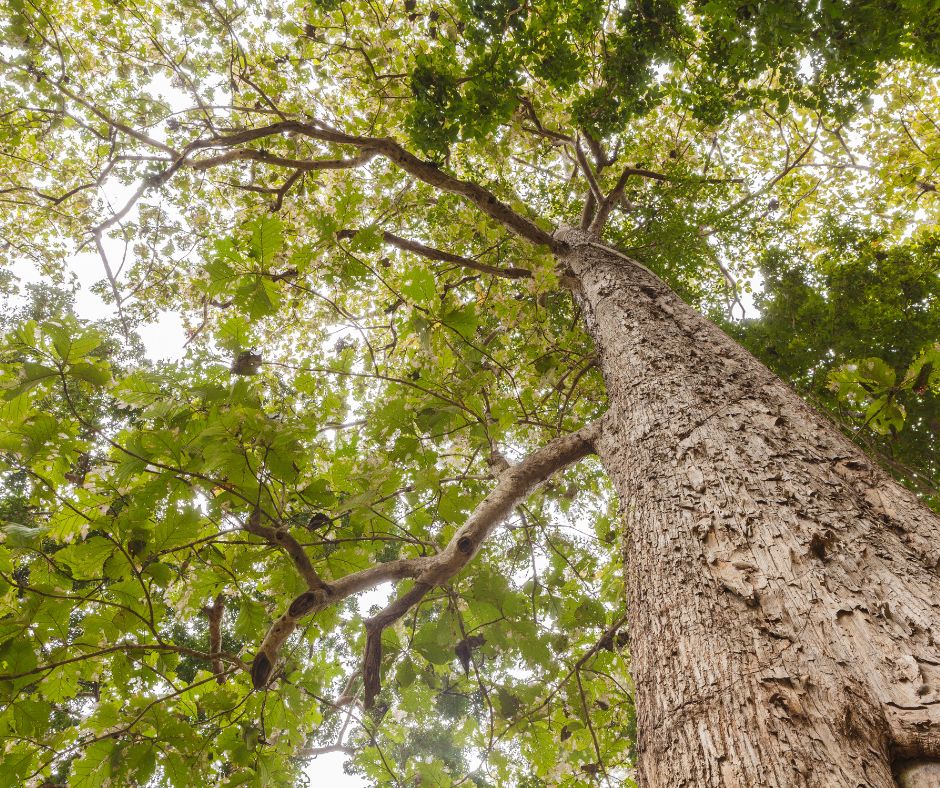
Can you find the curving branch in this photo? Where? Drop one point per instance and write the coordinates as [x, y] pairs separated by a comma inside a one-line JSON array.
[[588, 172], [281, 537], [301, 165], [446, 257], [372, 657], [369, 147], [310, 602], [514, 484], [608, 203], [424, 171]]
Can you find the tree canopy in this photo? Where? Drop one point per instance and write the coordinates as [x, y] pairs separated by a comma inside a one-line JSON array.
[[351, 206]]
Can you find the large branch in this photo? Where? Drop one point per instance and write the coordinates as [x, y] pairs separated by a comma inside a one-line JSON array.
[[607, 205], [368, 147], [372, 656], [310, 602], [303, 165], [446, 257], [281, 537], [214, 613], [514, 484], [424, 171], [588, 172]]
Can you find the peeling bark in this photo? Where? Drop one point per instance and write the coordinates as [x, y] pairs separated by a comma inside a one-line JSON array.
[[783, 591]]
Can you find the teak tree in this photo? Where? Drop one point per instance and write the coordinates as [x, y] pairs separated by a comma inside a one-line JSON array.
[[432, 255]]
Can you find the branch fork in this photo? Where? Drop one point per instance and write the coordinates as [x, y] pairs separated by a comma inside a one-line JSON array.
[[515, 483]]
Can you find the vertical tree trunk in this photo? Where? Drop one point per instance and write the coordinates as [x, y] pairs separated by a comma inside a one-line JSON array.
[[783, 592]]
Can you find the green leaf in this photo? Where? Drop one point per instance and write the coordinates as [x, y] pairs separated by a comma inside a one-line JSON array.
[[140, 388], [175, 529], [178, 772], [463, 320], [66, 524], [876, 371], [367, 239], [435, 419], [267, 237], [61, 684], [885, 416], [14, 411], [96, 374], [453, 506], [924, 372], [15, 766], [138, 761], [86, 560], [83, 344], [93, 768], [16, 535], [435, 641], [252, 618], [221, 275], [35, 373], [31, 717], [419, 286]]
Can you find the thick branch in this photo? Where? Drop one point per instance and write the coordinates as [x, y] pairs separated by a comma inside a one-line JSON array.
[[514, 484], [301, 165], [424, 171], [601, 159], [447, 257], [313, 752], [310, 602], [587, 210], [368, 147], [372, 658], [214, 614], [282, 538], [607, 205], [588, 172]]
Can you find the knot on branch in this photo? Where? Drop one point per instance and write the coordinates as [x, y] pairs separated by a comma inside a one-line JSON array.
[[372, 658], [305, 602], [261, 669]]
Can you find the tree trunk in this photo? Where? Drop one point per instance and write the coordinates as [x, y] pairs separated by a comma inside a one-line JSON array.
[[783, 592]]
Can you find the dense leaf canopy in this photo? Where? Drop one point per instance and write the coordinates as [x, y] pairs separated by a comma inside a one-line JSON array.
[[350, 204]]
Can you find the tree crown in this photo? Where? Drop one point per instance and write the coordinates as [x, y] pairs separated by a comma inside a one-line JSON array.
[[352, 207]]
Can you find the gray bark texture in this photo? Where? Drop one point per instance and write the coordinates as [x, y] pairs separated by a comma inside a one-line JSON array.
[[783, 591]]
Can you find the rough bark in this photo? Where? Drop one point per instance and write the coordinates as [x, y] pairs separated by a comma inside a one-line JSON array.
[[783, 592]]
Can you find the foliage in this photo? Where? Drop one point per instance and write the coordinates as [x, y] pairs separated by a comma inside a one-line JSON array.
[[349, 205], [830, 303]]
